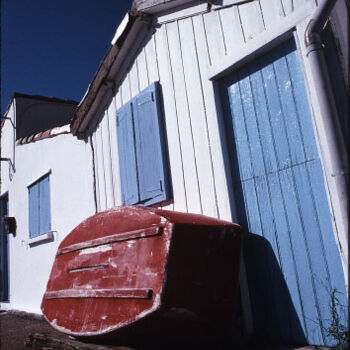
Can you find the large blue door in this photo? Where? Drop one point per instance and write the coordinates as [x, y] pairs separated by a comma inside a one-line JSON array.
[[293, 263], [3, 250]]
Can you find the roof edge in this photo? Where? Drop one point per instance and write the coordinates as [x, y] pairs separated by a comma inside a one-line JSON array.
[[37, 97], [155, 6], [131, 25], [49, 133], [133, 22]]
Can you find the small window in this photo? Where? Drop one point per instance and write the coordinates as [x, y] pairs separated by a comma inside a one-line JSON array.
[[141, 147], [39, 207]]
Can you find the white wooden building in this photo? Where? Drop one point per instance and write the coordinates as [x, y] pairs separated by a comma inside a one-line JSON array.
[[45, 177], [235, 109], [218, 108]]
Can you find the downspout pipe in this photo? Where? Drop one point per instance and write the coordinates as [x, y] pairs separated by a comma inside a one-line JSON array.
[[317, 22], [337, 166]]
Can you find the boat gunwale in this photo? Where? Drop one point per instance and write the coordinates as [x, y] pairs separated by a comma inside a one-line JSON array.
[[116, 237]]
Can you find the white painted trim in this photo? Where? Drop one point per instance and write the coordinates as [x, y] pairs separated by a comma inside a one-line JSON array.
[[38, 178], [5, 306], [58, 130], [120, 30], [164, 6], [261, 43], [182, 12], [196, 8], [45, 237], [226, 3]]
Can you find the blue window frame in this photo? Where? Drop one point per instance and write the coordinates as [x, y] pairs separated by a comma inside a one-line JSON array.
[[39, 207], [142, 156]]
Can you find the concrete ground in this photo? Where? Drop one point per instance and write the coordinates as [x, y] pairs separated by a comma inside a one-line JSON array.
[[19, 331]]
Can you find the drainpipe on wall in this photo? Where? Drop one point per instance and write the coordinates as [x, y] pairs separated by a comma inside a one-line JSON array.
[[337, 173]]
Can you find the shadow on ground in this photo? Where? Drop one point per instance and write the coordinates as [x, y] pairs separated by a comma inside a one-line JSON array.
[[17, 329]]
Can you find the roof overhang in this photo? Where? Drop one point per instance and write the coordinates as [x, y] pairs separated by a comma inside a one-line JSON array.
[[135, 22], [156, 6], [126, 35], [19, 95]]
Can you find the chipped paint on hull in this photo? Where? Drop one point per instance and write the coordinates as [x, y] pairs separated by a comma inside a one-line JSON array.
[[142, 276], [99, 249]]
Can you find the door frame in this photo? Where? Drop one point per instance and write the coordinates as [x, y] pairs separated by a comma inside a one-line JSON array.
[[294, 27]]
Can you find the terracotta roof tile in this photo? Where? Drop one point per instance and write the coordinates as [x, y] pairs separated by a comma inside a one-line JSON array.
[[60, 130], [30, 138], [37, 136], [46, 134]]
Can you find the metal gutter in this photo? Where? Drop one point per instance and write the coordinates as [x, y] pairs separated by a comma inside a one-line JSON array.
[[337, 169], [126, 35], [317, 23]]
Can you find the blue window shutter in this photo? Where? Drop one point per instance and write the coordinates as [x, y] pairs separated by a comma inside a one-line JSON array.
[[44, 205], [127, 157], [34, 210], [149, 146]]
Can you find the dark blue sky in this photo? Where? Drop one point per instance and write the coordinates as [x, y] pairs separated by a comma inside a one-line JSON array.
[[54, 47]]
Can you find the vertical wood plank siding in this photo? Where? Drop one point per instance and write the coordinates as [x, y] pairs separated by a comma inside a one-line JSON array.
[[178, 54], [284, 196]]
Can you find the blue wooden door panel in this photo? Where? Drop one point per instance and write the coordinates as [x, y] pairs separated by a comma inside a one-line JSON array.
[[279, 134], [127, 155], [267, 220], [45, 207], [269, 232], [239, 126], [301, 103], [282, 187], [289, 113], [149, 147], [303, 272], [263, 119], [251, 204], [272, 193], [282, 230], [313, 242], [34, 222], [249, 117]]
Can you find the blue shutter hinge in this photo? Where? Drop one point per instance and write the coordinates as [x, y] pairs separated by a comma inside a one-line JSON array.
[[152, 94]]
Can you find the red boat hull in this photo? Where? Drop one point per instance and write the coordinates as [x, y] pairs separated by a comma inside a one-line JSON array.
[[139, 266]]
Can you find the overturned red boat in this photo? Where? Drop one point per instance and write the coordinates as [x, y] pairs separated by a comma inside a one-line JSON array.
[[131, 267]]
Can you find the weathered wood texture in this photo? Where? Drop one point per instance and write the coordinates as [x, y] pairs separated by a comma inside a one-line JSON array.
[[178, 54], [115, 276], [283, 194]]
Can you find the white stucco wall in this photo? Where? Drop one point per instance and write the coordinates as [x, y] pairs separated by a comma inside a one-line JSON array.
[[68, 160], [7, 147]]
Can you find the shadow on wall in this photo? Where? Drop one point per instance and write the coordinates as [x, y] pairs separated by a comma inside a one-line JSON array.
[[274, 317]]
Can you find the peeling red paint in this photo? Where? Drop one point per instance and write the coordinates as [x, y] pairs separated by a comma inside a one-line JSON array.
[[130, 263]]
